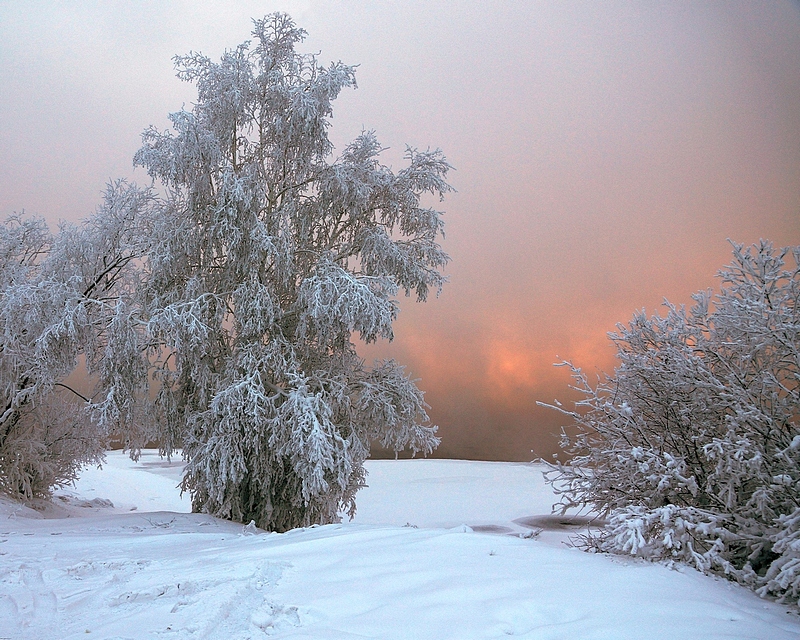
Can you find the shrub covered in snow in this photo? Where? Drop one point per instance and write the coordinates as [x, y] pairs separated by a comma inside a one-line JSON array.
[[692, 448]]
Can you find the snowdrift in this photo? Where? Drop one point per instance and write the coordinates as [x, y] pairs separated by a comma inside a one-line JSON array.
[[438, 549]]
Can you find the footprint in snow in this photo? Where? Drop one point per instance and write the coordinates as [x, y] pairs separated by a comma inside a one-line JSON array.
[[272, 617]]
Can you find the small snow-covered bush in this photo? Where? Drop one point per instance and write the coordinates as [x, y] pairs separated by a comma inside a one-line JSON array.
[[47, 446], [692, 448]]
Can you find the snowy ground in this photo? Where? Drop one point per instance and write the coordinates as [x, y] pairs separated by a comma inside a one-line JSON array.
[[145, 568]]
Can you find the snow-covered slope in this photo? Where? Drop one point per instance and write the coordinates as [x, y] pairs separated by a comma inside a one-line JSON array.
[[145, 568]]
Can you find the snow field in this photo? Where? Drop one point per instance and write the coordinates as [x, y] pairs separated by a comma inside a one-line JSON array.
[[83, 570]]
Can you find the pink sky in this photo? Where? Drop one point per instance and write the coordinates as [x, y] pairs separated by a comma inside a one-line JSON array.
[[603, 152]]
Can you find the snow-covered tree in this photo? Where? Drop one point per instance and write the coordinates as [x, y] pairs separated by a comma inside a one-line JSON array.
[[268, 255], [66, 297], [692, 448]]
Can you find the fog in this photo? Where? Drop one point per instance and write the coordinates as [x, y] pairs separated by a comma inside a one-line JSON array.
[[603, 153]]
